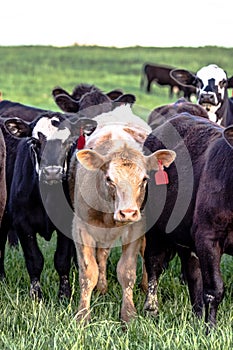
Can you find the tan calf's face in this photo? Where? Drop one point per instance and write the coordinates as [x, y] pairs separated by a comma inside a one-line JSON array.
[[124, 175]]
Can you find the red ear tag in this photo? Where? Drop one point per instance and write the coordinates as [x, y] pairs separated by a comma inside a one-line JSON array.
[[81, 140], [161, 177]]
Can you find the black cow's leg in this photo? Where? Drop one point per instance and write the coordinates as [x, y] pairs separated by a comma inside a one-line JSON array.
[[34, 262], [156, 259], [171, 92], [3, 239], [13, 238], [148, 86], [62, 263], [192, 272], [209, 253]]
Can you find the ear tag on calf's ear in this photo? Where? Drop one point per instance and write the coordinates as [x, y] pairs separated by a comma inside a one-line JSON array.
[[81, 140], [161, 177]]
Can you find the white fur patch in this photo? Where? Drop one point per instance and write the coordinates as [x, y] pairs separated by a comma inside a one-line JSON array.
[[44, 125], [124, 116], [60, 135], [113, 124], [211, 72]]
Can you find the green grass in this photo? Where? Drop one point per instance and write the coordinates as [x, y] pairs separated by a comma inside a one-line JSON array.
[[28, 75]]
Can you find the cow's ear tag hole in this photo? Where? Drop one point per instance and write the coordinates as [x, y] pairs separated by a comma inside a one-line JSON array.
[[161, 176]]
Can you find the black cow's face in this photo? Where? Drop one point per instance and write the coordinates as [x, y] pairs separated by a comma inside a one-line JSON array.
[[58, 149], [211, 88], [50, 138]]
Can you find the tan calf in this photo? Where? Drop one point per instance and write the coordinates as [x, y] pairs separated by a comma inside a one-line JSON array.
[[109, 192]]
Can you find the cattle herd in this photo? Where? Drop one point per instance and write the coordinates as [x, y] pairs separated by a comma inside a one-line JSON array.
[[98, 175]]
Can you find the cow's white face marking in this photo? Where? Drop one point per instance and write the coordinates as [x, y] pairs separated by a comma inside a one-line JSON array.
[[45, 126], [62, 135], [213, 78]]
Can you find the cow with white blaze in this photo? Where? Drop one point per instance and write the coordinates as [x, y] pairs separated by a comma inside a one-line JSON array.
[[211, 83], [29, 193], [109, 195]]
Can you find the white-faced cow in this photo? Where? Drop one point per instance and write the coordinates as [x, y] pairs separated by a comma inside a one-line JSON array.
[[26, 208], [211, 84], [161, 75], [196, 219], [10, 109], [109, 195]]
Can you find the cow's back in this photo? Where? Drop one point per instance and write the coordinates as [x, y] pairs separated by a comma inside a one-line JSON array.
[[9, 109]]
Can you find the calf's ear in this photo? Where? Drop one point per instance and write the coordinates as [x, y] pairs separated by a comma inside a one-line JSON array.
[[163, 156], [17, 127], [90, 159], [228, 135]]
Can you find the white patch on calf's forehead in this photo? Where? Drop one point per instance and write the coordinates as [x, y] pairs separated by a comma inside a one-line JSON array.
[[211, 72], [44, 125], [62, 134]]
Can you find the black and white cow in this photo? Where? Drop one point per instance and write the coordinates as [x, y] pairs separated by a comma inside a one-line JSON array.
[[195, 218], [27, 201], [211, 84]]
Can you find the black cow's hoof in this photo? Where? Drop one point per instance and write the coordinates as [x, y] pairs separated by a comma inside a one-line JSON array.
[[35, 290], [64, 289]]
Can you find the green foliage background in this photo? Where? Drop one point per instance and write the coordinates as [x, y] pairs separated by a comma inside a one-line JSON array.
[[28, 75]]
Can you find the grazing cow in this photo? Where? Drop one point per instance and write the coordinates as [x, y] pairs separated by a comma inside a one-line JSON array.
[[109, 194], [29, 195], [161, 75], [196, 218], [211, 84], [160, 114], [85, 95]]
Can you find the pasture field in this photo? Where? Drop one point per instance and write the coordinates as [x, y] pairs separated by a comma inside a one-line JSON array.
[[28, 75]]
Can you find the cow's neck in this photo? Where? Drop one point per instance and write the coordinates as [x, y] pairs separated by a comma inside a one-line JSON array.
[[221, 113]]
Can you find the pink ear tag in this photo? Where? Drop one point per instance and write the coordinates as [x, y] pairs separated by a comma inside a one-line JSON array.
[[81, 140], [161, 177]]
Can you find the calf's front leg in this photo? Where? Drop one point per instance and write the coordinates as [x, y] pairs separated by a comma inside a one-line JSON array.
[[88, 278], [102, 256], [126, 274]]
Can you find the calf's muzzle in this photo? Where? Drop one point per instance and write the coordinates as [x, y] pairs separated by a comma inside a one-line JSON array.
[[128, 215]]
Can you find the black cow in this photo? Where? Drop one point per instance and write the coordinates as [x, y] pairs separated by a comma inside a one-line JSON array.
[[3, 195], [28, 196], [160, 114], [161, 75], [196, 218], [211, 83], [85, 95], [9, 109]]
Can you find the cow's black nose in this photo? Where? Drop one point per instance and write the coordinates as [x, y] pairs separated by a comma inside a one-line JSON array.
[[207, 98]]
